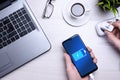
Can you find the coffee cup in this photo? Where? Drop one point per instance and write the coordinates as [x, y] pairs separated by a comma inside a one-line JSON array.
[[77, 10]]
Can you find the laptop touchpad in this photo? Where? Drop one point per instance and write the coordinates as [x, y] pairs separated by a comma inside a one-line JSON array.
[[4, 61]]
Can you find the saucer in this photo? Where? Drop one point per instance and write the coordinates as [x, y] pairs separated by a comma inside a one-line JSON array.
[[75, 21]]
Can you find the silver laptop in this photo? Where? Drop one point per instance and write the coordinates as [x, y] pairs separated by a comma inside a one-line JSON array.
[[21, 37]]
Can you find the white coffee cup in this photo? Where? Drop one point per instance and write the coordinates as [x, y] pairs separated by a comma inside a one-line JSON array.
[[77, 10]]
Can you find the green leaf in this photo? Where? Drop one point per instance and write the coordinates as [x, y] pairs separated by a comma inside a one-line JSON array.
[[107, 6], [104, 9], [113, 1], [100, 3], [117, 1], [111, 8], [115, 11], [108, 3]]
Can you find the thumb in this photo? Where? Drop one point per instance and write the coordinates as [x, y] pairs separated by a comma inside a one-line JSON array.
[[67, 60]]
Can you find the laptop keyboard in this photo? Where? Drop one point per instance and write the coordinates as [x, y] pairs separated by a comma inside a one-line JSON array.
[[15, 26]]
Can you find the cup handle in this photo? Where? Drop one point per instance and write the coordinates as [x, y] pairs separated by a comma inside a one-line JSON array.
[[87, 11]]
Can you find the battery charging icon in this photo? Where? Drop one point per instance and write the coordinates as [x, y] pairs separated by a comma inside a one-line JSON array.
[[79, 54]]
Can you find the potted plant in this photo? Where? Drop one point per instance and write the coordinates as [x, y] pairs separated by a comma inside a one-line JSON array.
[[110, 5]]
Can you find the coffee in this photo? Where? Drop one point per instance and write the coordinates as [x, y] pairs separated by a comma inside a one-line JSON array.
[[77, 10]]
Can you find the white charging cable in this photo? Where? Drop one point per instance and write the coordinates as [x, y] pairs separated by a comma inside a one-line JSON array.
[[92, 77]]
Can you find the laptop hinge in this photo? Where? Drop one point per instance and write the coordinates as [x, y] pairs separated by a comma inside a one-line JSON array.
[[12, 0]]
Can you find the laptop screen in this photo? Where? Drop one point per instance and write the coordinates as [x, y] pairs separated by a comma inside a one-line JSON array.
[[1, 1], [4, 3]]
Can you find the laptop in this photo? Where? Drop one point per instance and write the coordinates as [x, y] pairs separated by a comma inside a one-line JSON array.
[[21, 37]]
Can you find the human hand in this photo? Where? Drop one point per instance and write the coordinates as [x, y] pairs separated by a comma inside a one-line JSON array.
[[71, 69], [114, 36]]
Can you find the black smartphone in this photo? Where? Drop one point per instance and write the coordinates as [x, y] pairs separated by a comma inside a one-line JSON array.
[[79, 55]]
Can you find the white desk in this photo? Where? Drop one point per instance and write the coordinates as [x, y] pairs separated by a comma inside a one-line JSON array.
[[51, 66]]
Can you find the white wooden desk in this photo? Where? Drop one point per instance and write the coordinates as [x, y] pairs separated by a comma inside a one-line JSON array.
[[51, 66]]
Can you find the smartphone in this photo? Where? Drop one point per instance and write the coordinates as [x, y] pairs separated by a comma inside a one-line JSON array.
[[79, 55]]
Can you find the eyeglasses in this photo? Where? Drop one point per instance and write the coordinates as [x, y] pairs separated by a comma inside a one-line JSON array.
[[48, 9]]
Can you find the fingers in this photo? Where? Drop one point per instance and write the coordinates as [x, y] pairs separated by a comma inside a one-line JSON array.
[[89, 49], [110, 35], [114, 31], [95, 60], [92, 55], [117, 34], [116, 24]]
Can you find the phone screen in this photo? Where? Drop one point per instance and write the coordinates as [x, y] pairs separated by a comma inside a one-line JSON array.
[[80, 56]]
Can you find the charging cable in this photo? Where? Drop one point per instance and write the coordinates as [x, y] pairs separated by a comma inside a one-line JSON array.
[[92, 77]]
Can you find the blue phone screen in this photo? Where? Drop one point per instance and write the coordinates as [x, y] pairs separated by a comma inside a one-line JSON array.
[[79, 55]]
